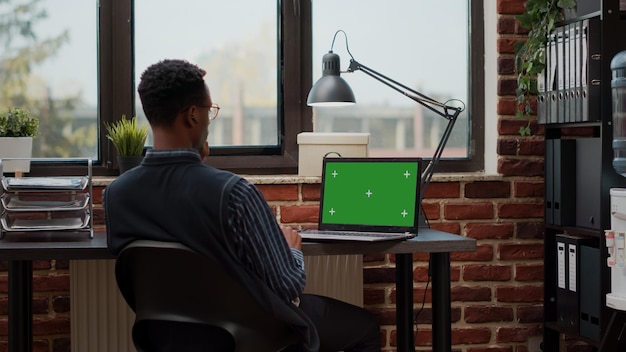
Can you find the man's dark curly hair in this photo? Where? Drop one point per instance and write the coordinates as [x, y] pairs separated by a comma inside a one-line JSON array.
[[168, 87]]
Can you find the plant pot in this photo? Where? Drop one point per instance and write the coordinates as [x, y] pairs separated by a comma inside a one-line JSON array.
[[16, 147], [128, 162]]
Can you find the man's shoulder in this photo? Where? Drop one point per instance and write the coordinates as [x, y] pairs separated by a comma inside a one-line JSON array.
[[200, 177], [211, 173]]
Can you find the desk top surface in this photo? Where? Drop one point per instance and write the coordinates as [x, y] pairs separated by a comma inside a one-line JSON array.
[[62, 245], [427, 241]]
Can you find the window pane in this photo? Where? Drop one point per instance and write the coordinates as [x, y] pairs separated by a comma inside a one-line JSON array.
[[420, 44], [49, 66], [235, 42]]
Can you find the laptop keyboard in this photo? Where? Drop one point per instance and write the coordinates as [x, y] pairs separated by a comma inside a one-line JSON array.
[[348, 235], [361, 234]]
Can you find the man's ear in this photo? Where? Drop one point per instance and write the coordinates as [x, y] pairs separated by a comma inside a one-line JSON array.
[[190, 117]]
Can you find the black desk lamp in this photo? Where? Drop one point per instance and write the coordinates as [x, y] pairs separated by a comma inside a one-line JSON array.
[[332, 90]]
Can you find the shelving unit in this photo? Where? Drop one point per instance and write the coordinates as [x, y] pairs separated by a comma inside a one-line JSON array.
[[59, 203], [575, 108]]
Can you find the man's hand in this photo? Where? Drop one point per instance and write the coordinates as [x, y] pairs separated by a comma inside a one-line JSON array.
[[294, 240]]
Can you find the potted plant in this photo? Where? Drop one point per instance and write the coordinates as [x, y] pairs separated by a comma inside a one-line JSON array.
[[17, 129], [129, 139]]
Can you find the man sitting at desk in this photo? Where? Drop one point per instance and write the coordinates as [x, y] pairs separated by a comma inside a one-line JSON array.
[[172, 196]]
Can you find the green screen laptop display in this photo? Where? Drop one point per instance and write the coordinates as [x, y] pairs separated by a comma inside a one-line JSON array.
[[370, 194]]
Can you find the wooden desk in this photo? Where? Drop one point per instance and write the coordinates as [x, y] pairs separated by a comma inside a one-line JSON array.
[[22, 249]]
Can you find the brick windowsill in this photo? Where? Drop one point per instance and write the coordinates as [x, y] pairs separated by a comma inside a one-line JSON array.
[[295, 179]]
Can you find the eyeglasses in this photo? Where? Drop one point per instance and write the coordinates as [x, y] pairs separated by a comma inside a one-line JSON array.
[[214, 109]]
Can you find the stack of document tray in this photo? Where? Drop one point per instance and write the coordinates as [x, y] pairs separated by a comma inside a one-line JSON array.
[[61, 203]]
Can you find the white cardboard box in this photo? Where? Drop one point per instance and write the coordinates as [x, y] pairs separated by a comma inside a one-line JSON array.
[[313, 146]]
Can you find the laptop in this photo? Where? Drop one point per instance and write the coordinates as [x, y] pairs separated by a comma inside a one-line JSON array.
[[368, 199]]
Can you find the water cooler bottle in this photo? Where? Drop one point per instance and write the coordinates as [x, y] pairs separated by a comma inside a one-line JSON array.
[[616, 237]]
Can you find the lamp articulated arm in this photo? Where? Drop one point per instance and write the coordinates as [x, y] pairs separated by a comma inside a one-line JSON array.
[[448, 112]]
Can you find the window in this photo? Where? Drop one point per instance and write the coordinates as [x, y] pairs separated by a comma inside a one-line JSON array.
[[49, 66], [433, 64], [421, 44], [238, 51], [253, 58], [108, 47]]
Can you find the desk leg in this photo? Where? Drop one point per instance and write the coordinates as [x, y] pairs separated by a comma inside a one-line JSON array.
[[20, 305], [442, 329], [404, 302]]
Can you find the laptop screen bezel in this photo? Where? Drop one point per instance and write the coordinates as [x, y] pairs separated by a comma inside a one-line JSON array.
[[376, 228]]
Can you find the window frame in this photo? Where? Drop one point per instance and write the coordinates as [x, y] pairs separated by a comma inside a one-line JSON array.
[[116, 93], [476, 95]]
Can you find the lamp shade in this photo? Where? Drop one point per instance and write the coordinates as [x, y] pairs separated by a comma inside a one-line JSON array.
[[331, 89]]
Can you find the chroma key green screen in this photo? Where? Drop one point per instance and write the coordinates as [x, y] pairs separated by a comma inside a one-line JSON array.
[[378, 193]]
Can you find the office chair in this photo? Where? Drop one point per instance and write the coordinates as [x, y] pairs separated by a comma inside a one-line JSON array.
[[184, 302]]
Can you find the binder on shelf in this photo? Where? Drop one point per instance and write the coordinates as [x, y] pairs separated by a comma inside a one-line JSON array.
[[561, 264], [572, 88], [569, 286], [584, 73], [591, 70], [590, 300], [542, 79], [549, 182], [560, 179], [566, 299], [573, 77], [560, 76], [567, 85], [578, 59], [552, 79], [588, 181], [573, 74]]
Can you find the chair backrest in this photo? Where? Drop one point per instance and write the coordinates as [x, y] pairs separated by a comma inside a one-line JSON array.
[[183, 298]]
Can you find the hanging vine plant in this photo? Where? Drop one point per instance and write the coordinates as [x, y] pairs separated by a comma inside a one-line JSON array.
[[540, 18]]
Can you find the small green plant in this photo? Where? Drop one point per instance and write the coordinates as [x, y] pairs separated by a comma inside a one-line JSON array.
[[540, 18], [127, 137], [17, 122]]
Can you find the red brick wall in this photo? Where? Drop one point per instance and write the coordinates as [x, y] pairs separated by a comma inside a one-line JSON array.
[[51, 306], [496, 291]]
